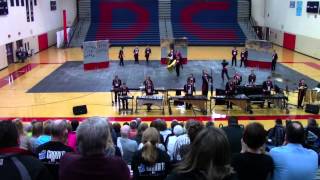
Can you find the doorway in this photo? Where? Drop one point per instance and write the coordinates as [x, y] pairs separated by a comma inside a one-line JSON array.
[[10, 54]]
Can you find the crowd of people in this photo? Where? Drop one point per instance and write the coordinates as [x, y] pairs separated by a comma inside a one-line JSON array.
[[191, 150]]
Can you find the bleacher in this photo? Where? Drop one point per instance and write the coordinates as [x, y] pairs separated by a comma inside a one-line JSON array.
[[127, 22], [211, 22]]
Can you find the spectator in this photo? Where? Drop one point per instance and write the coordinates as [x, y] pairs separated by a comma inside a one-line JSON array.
[[72, 137], [164, 131], [111, 148], [37, 130], [142, 127], [133, 129], [194, 128], [51, 152], [17, 163], [252, 163], [293, 161], [127, 146], [173, 124], [209, 158], [210, 124], [150, 162], [171, 140], [313, 127], [92, 163], [116, 127], [234, 133], [181, 140], [46, 136], [24, 140], [276, 134]]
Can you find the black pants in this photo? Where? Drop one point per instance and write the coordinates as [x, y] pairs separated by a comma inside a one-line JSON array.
[[224, 72], [178, 70], [124, 103], [273, 66], [116, 97], [242, 61], [147, 58], [300, 98], [205, 92], [136, 59], [234, 60], [121, 62]]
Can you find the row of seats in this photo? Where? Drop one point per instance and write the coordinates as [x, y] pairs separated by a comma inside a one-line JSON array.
[[136, 22]]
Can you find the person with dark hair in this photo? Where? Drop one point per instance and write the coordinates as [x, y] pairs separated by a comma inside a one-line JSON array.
[[252, 163], [116, 127], [293, 161], [150, 162], [210, 124], [133, 129], [92, 162], [234, 133], [142, 127], [121, 56], [252, 78], [224, 70], [194, 129], [206, 80], [17, 163], [51, 152], [277, 133], [136, 55], [274, 60], [313, 127], [116, 85], [72, 137], [302, 90], [234, 56], [24, 140], [209, 158], [147, 53], [37, 130], [46, 136], [164, 131]]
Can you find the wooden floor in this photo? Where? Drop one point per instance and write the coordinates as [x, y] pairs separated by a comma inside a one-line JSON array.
[[15, 102]]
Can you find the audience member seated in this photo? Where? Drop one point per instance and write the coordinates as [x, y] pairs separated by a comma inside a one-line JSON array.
[[276, 134], [181, 140], [37, 130], [150, 162], [72, 136], [313, 127], [17, 163], [158, 125], [252, 163], [51, 152], [116, 127], [133, 129], [111, 148], [142, 127], [194, 128], [234, 133], [127, 146], [92, 163], [210, 124], [171, 140], [209, 158], [164, 131], [24, 140], [46, 136], [293, 161]]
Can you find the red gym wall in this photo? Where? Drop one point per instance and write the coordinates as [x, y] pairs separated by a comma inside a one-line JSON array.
[[43, 41], [289, 41]]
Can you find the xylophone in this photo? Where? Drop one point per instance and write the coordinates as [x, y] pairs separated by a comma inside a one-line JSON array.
[[155, 100], [199, 101]]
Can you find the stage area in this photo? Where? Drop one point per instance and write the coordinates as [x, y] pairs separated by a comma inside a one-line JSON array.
[[70, 77]]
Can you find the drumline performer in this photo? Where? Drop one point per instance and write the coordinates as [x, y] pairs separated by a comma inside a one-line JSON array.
[[230, 90], [147, 53], [121, 56], [149, 89], [124, 92], [224, 70], [189, 89], [206, 79], [252, 78], [116, 84], [237, 79], [136, 55], [267, 86], [234, 56]]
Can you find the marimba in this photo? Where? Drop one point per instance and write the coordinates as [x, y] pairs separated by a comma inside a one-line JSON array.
[[199, 101]]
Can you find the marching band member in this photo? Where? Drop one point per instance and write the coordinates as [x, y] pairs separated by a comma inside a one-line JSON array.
[[234, 56], [302, 88], [121, 56], [171, 56], [243, 58], [206, 78], [136, 55], [116, 84], [237, 78], [252, 78], [274, 60], [192, 79], [267, 86], [224, 70], [178, 65], [189, 89], [230, 90], [124, 92], [147, 53], [149, 88]]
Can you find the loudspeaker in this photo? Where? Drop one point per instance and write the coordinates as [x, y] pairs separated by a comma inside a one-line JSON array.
[[220, 92], [314, 109], [78, 110]]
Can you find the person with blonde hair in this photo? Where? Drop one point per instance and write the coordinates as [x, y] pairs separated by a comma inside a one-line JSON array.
[[150, 162]]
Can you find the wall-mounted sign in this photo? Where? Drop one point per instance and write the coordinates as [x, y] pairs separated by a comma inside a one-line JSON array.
[[299, 8], [292, 4], [313, 7], [53, 5], [4, 7]]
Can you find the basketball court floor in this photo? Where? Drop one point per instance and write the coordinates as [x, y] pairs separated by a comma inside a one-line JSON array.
[[22, 94]]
